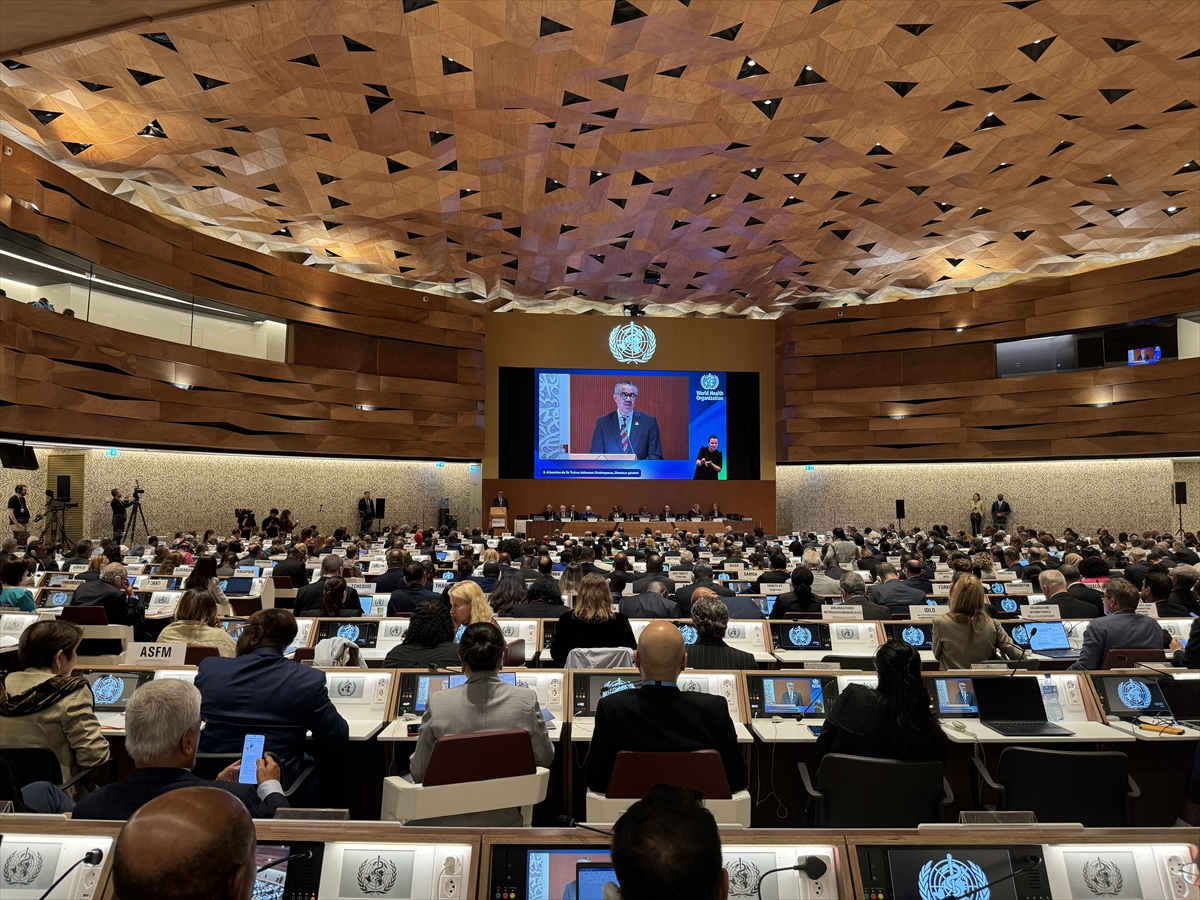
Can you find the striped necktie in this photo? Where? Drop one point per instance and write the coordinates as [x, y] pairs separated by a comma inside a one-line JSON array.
[[625, 445]]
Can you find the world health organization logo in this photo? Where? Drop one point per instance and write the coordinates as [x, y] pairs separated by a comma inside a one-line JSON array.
[[800, 636], [1134, 694], [950, 877], [1020, 635], [632, 343], [1103, 878], [377, 876], [690, 634], [914, 636], [22, 868], [1008, 604], [349, 632], [710, 382], [107, 689]]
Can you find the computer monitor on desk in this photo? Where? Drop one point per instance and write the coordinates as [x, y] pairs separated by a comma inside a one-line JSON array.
[[947, 870]]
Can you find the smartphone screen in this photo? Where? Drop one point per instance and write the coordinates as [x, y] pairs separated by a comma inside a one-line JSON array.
[[815, 729], [252, 751]]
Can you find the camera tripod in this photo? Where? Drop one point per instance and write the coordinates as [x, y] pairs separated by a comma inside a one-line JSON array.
[[56, 526], [131, 527]]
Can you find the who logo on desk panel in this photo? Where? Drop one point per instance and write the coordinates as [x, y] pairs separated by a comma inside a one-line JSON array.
[[376, 873], [1111, 875], [744, 871], [632, 343], [945, 878], [28, 869]]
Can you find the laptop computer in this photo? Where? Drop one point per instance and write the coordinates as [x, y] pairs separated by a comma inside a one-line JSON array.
[[1043, 638], [1012, 706], [1183, 697]]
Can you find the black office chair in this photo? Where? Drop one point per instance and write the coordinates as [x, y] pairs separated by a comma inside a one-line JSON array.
[[847, 792], [210, 765], [1064, 785], [30, 764], [861, 663]]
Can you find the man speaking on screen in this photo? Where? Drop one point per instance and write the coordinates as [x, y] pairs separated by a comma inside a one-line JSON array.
[[625, 430], [708, 461]]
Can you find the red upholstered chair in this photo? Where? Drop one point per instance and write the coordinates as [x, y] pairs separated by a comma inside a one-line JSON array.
[[195, 653], [514, 655], [84, 615], [701, 770], [470, 773], [1119, 658]]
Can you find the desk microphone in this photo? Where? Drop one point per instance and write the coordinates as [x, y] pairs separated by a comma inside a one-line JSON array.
[[93, 858], [568, 822], [1024, 650], [307, 854], [813, 866], [1033, 860]]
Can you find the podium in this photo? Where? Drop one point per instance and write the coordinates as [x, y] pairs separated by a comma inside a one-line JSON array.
[[498, 520]]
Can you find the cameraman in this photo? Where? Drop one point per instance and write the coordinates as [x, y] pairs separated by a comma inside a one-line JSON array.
[[246, 521], [18, 511], [119, 504]]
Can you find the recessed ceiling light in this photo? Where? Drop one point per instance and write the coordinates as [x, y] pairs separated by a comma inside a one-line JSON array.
[[1170, 209], [712, 195], [755, 170], [793, 197], [766, 103], [960, 329], [808, 68], [749, 62]]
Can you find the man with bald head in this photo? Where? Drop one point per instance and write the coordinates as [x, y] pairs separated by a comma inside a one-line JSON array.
[[658, 717], [195, 843]]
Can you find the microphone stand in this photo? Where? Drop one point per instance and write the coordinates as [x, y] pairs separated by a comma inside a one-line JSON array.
[[1024, 650]]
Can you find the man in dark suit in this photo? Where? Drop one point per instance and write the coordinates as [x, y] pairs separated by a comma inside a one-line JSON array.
[[500, 499], [962, 696], [625, 429], [1156, 589], [658, 717], [489, 575], [917, 576], [789, 697], [162, 735], [1187, 657], [889, 591], [1183, 582], [702, 577], [1137, 567], [1001, 510], [260, 691], [1080, 591], [708, 461], [412, 593], [114, 593], [366, 512], [1121, 629], [310, 599], [649, 604], [854, 593], [1054, 586], [654, 572], [293, 567], [393, 578]]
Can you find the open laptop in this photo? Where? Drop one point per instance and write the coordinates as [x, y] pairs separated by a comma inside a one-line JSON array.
[[1183, 697], [1012, 706], [1043, 638]]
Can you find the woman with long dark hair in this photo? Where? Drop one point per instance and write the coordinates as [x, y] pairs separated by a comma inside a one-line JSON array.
[[334, 603], [509, 592], [891, 721], [204, 578]]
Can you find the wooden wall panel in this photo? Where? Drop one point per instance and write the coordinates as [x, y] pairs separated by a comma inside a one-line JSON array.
[[899, 381], [416, 359], [66, 378]]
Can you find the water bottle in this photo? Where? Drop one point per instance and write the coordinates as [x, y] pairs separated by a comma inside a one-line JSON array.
[[1054, 711]]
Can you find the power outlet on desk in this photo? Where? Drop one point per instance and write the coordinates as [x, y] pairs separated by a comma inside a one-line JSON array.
[[1180, 889], [449, 887], [821, 888]]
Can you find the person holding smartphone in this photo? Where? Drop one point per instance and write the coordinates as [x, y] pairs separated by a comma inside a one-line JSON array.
[[162, 735]]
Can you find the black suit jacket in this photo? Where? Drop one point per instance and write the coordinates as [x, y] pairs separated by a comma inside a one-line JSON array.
[[366, 508], [310, 599], [661, 719], [497, 501], [1071, 607], [406, 599], [120, 801], [293, 569], [114, 600], [1081, 591], [639, 583]]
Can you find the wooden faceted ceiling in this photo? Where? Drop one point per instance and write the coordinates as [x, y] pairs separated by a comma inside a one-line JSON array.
[[750, 155]]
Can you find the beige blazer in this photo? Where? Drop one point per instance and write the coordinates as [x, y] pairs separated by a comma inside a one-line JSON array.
[[953, 649], [190, 632], [69, 727]]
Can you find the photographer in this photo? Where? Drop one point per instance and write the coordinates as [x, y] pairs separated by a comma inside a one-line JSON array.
[[119, 504], [246, 521], [271, 524]]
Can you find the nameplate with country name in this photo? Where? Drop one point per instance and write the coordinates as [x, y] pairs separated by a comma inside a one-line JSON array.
[[1019, 589], [942, 589]]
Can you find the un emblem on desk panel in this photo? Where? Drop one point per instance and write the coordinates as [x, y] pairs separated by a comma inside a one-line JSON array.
[[1113, 875], [1134, 694], [743, 878], [690, 634], [349, 632], [632, 343], [22, 868], [510, 631], [395, 629], [1008, 604], [951, 877], [107, 689], [349, 688], [913, 636], [376, 876], [734, 632]]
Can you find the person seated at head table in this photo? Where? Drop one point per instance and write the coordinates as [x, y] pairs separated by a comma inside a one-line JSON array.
[[710, 616], [967, 634], [1121, 628], [658, 717], [429, 640], [13, 596], [162, 736], [667, 847], [893, 720], [263, 692], [46, 706], [591, 623], [187, 843], [196, 622], [484, 703]]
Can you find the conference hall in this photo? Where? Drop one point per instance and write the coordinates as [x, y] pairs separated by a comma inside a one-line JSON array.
[[600, 449]]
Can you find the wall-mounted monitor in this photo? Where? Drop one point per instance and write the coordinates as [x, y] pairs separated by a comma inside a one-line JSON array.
[[1144, 356]]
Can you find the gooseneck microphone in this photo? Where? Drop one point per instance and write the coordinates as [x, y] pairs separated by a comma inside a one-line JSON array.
[[93, 858], [813, 866], [1034, 861], [1024, 650], [568, 822], [307, 854]]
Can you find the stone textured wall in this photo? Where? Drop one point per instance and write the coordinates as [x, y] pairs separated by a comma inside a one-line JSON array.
[[194, 491], [1121, 495]]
